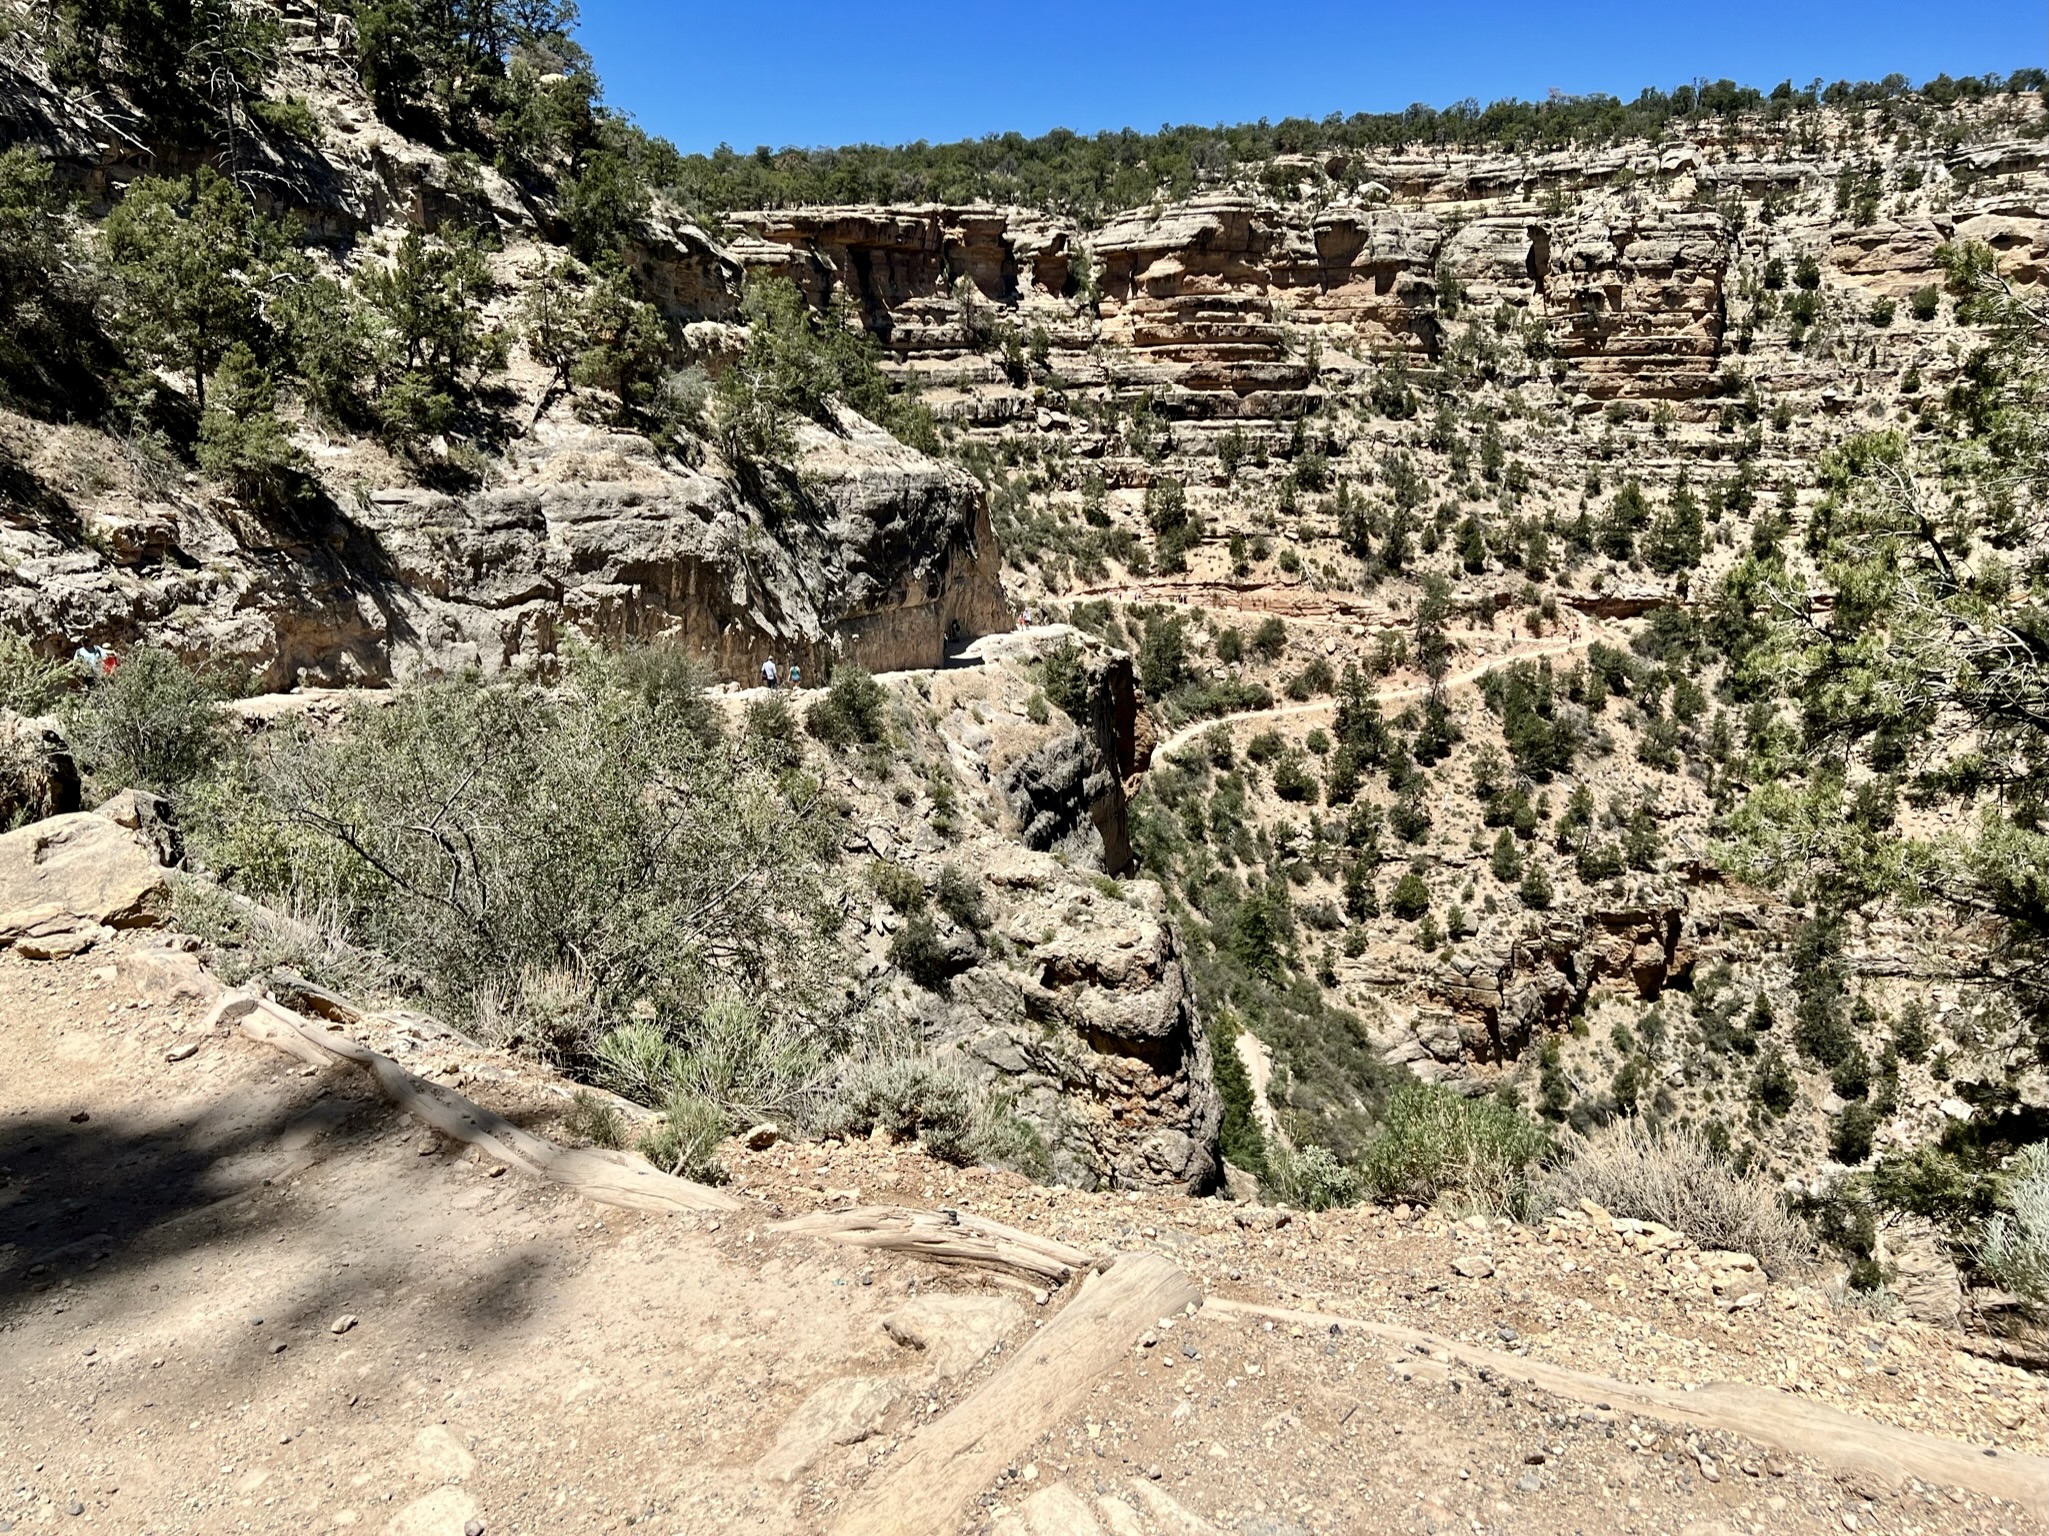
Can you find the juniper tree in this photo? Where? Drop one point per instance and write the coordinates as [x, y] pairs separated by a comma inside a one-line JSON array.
[[1925, 674]]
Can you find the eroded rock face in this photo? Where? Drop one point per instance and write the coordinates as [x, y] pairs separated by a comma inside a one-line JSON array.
[[1487, 1005], [1076, 1005], [1110, 1059], [887, 554], [1195, 299]]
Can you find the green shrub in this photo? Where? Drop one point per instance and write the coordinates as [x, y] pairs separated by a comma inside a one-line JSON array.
[[769, 730], [1313, 1179], [898, 885], [2015, 1248], [1271, 638], [154, 724], [479, 836], [1674, 1177], [1410, 898], [686, 1141], [1849, 1141], [1432, 1144], [290, 118], [29, 684], [926, 958], [1925, 302], [1293, 781], [854, 711], [1064, 674], [960, 897], [749, 1063], [910, 1098], [243, 444], [1265, 746], [595, 1120]]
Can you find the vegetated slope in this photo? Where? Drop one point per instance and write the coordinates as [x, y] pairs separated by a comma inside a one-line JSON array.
[[1328, 443], [373, 350]]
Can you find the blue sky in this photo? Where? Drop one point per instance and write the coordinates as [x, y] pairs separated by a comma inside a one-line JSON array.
[[808, 73]]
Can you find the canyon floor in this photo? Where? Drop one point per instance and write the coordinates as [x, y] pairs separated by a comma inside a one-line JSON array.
[[242, 1294]]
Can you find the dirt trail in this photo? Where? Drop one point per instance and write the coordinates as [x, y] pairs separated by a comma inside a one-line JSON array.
[[181, 1240], [1583, 635]]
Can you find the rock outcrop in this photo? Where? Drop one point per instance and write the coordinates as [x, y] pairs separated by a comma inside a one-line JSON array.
[[884, 555], [67, 881], [1075, 1005]]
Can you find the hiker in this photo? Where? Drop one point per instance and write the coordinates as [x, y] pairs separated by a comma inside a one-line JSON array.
[[796, 675], [768, 673]]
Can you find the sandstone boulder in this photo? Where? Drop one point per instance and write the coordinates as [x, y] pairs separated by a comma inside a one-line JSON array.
[[82, 869]]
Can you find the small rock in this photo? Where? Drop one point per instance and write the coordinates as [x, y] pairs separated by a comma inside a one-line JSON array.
[[343, 1323], [74, 1508], [763, 1136], [183, 1052], [278, 1348], [1155, 1473], [1474, 1266], [1529, 1482], [473, 1528], [81, 1117]]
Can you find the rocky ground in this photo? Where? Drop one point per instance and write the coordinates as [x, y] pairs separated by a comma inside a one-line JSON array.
[[243, 1294]]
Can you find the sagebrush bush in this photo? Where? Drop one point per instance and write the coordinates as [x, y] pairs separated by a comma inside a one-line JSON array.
[[154, 724], [1432, 1144], [1313, 1178], [749, 1065], [854, 711], [1674, 1177], [2015, 1248], [595, 1120], [686, 1140], [29, 684], [489, 840], [915, 1098]]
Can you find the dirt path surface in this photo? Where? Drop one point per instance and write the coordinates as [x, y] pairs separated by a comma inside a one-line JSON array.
[[238, 1293]]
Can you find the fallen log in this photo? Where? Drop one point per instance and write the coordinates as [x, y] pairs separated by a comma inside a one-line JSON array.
[[1856, 1446], [945, 1237], [610, 1178], [1048, 1379]]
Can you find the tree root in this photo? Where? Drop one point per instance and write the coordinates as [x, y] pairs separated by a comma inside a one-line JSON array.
[[1049, 1378], [610, 1178], [945, 1237]]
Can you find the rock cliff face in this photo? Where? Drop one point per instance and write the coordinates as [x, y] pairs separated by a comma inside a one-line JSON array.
[[1197, 297], [589, 532], [1075, 1001]]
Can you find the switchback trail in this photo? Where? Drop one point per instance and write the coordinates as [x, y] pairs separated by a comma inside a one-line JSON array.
[[1396, 693]]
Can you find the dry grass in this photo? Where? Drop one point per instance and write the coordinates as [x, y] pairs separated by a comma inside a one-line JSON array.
[[1674, 1177]]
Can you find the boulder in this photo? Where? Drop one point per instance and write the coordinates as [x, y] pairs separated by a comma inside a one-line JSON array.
[[82, 869], [1920, 1273], [37, 776]]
